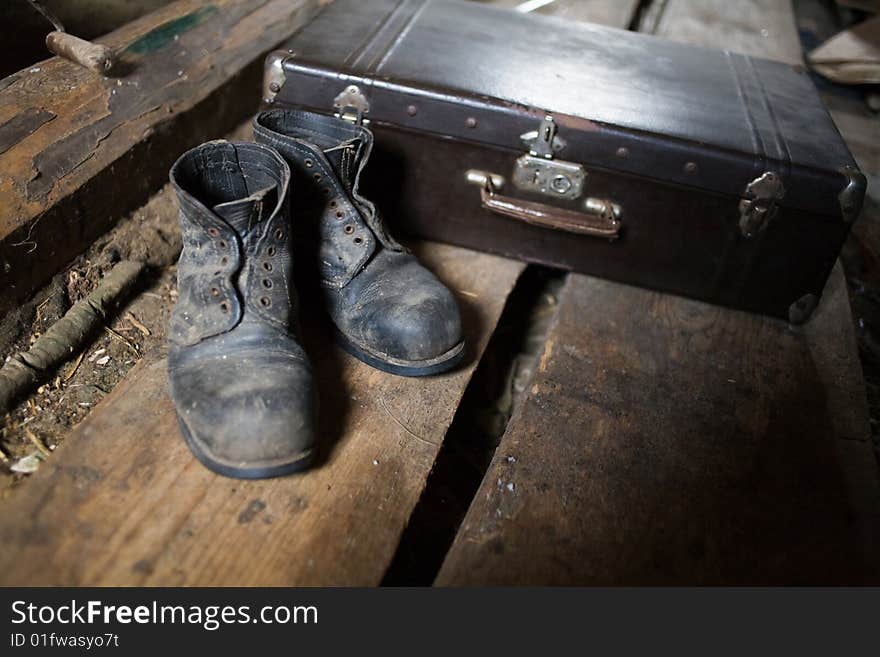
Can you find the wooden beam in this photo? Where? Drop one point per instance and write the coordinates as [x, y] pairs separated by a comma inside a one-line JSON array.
[[78, 151], [123, 502], [668, 442]]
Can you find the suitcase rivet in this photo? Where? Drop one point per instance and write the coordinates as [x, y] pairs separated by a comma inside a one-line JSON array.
[[690, 167], [274, 87], [471, 122], [412, 110], [622, 152]]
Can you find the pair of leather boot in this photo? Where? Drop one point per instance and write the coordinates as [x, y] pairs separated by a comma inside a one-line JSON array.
[[240, 379]]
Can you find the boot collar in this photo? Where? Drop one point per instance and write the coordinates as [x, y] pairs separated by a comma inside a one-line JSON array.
[[346, 147], [226, 176], [225, 189]]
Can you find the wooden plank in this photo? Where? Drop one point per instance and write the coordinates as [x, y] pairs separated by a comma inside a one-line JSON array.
[[190, 71], [615, 13], [666, 441], [761, 28], [123, 502]]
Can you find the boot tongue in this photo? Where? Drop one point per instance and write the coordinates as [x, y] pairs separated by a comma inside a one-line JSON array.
[[244, 213]]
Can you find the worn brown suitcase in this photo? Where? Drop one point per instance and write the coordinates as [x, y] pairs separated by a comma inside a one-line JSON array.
[[699, 172]]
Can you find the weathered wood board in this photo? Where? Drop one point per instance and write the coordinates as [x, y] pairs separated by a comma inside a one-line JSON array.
[[760, 28], [78, 150], [123, 502], [615, 13], [665, 441]]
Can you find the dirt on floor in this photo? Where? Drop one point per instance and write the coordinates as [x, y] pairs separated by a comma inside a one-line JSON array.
[[40, 422]]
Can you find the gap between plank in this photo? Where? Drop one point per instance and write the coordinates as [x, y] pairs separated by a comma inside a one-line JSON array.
[[499, 383]]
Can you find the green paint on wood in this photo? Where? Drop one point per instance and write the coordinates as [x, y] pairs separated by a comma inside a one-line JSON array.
[[164, 34]]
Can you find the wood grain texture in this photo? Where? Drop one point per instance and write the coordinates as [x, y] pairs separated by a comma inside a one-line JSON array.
[[665, 441], [614, 13], [80, 150], [124, 502], [760, 28]]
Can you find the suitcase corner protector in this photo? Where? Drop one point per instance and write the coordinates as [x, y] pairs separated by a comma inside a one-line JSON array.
[[274, 76], [853, 193]]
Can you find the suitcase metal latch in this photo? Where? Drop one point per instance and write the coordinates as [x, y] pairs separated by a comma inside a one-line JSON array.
[[759, 205], [539, 171], [351, 105]]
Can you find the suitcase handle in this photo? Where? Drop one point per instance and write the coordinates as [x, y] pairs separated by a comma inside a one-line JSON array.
[[601, 220]]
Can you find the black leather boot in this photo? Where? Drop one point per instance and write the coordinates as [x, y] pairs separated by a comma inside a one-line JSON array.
[[240, 381], [388, 310]]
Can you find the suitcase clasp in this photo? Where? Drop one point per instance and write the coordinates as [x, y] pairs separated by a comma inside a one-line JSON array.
[[539, 171], [758, 207], [544, 141], [351, 105]]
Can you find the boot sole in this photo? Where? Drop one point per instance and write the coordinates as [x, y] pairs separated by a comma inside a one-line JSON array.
[[267, 472], [442, 363]]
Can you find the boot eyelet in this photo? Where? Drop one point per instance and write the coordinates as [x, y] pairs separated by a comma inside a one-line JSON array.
[[279, 234], [332, 204], [358, 240], [349, 229], [317, 177], [271, 251], [222, 244], [224, 306], [213, 232], [267, 266], [308, 163], [215, 291], [340, 214], [224, 260], [266, 302], [267, 283], [325, 191]]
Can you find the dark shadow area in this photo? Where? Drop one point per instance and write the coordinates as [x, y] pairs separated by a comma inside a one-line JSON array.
[[818, 21], [479, 423], [23, 29]]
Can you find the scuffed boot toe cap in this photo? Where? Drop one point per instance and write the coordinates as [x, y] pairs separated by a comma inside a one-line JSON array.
[[397, 316], [246, 416], [416, 329]]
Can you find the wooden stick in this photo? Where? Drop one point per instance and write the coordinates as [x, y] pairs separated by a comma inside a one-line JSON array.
[[93, 56], [24, 370]]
